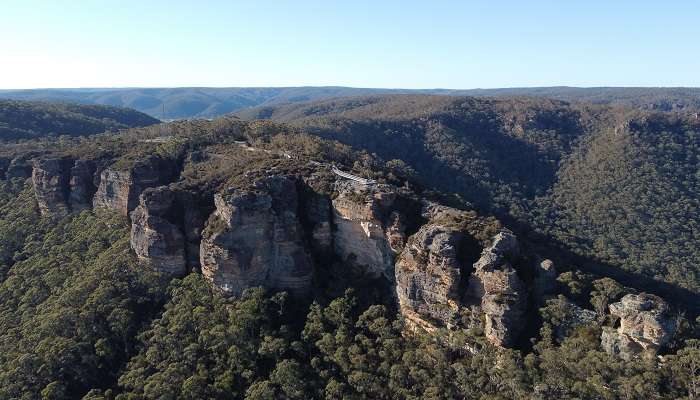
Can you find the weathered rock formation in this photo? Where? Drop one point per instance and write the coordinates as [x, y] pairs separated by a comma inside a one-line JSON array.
[[51, 179], [120, 189], [428, 275], [82, 186], [500, 293], [317, 215], [19, 167], [645, 325], [254, 238], [155, 240], [368, 230]]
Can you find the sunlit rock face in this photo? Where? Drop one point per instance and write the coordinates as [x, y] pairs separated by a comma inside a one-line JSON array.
[[501, 294], [50, 178], [255, 238], [368, 229], [120, 189], [428, 275], [156, 240], [645, 325]]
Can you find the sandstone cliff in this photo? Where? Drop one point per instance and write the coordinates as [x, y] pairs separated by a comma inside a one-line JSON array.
[[51, 179], [155, 240], [497, 289], [120, 189], [368, 228], [254, 238], [428, 275]]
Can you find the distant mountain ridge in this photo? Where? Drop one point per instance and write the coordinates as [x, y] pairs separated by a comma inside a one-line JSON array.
[[208, 102], [35, 119]]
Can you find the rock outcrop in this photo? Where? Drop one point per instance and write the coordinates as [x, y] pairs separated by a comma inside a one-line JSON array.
[[154, 238], [496, 288], [82, 186], [19, 167], [120, 189], [317, 215], [255, 238], [51, 179], [545, 282], [428, 275], [645, 325], [368, 230]]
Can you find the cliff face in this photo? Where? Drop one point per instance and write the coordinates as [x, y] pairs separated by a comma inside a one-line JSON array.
[[645, 325], [51, 178], [428, 275], [62, 184], [272, 233], [254, 238], [82, 186], [120, 189], [368, 229], [502, 295], [155, 240]]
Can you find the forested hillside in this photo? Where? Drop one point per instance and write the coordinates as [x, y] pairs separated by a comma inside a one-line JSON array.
[[30, 120], [118, 253], [612, 184], [193, 102]]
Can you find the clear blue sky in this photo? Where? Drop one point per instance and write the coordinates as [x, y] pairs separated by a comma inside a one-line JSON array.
[[407, 44]]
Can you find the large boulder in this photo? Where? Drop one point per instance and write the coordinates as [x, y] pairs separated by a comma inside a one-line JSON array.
[[645, 324], [255, 238]]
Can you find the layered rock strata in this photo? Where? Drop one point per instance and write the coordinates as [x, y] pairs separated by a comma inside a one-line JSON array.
[[255, 238], [500, 293], [368, 230], [156, 240], [428, 275], [51, 178], [120, 189]]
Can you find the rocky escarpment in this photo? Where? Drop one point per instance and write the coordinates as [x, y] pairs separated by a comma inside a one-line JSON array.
[[500, 292], [155, 240], [166, 229], [644, 324], [120, 189], [369, 228], [51, 178], [428, 275], [255, 238], [62, 184]]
